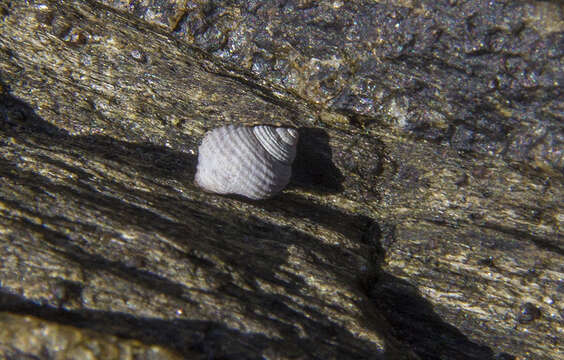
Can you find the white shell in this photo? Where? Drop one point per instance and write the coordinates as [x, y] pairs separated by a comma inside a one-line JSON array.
[[255, 162]]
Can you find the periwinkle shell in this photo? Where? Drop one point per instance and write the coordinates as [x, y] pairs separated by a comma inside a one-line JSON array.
[[252, 161]]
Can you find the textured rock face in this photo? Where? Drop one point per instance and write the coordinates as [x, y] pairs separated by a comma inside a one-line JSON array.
[[56, 341], [385, 245], [483, 76]]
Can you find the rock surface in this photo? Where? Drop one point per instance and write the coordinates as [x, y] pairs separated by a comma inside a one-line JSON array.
[[26, 337], [483, 76], [423, 220]]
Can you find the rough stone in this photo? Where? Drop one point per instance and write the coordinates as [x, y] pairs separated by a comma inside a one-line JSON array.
[[494, 68], [406, 233]]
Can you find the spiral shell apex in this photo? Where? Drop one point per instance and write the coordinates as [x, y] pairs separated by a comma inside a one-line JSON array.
[[255, 162]]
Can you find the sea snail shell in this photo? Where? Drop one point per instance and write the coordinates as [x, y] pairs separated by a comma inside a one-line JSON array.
[[255, 162]]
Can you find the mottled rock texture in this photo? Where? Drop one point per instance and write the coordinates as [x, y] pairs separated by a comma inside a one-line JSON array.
[[27, 337], [423, 220], [483, 76]]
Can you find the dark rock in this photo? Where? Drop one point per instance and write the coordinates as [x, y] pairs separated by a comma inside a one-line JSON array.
[[424, 216]]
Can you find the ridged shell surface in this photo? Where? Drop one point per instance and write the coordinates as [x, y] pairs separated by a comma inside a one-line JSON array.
[[255, 162]]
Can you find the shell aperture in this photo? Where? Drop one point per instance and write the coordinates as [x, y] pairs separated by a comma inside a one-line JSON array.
[[255, 162]]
